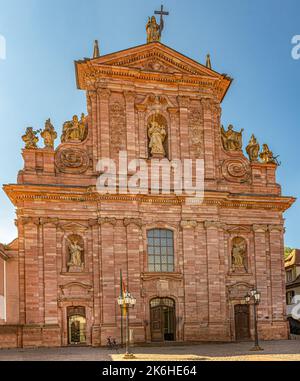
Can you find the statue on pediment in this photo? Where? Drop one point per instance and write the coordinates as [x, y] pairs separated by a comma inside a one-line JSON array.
[[252, 149], [266, 155], [49, 134], [30, 138], [74, 130], [232, 140], [153, 30], [157, 134]]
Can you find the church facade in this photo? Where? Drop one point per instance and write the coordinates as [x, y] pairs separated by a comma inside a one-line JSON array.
[[188, 266]]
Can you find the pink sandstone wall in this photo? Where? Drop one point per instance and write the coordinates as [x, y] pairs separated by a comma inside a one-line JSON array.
[[242, 200]]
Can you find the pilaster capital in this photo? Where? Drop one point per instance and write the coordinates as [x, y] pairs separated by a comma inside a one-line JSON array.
[[213, 225], [49, 221], [188, 224], [129, 96], [173, 112], [107, 220], [259, 228], [216, 108], [141, 108], [207, 103], [183, 101], [29, 220], [135, 221], [276, 228], [92, 95], [93, 222], [104, 93]]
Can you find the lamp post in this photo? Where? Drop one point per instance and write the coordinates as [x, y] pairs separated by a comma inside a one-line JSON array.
[[253, 297], [127, 301]]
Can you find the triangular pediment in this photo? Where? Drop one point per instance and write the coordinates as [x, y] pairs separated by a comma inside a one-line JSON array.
[[73, 227], [155, 57], [153, 62]]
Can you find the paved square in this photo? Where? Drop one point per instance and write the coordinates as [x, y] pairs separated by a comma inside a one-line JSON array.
[[287, 350]]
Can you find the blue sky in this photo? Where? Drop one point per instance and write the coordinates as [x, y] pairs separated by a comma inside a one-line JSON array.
[[248, 39]]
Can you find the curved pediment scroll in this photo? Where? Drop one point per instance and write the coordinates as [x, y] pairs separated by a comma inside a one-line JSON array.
[[239, 290], [76, 290]]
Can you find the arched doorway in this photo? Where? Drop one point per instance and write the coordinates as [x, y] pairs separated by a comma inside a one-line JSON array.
[[76, 325], [162, 314]]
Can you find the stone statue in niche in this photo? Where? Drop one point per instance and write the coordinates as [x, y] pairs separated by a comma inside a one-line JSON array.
[[74, 130], [75, 250], [232, 140], [239, 254], [30, 138], [157, 136], [252, 149], [49, 134]]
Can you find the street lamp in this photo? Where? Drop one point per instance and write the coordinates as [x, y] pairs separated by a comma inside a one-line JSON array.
[[253, 297], [127, 301]]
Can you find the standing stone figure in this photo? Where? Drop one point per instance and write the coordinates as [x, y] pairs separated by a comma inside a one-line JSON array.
[[30, 138], [157, 135], [75, 251], [239, 252], [153, 30], [266, 155], [252, 149], [49, 134], [232, 140]]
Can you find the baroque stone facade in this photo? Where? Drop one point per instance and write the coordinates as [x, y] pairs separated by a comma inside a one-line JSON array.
[[220, 249]]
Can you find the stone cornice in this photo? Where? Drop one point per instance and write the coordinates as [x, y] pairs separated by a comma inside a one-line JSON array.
[[20, 193]]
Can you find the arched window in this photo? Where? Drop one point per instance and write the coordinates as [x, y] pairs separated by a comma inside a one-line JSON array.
[[160, 250]]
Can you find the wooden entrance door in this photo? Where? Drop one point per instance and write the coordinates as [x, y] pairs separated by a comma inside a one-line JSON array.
[[156, 324], [242, 322], [162, 319]]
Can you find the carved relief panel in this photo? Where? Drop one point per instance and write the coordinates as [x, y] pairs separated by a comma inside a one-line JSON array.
[[117, 118], [196, 134], [72, 160]]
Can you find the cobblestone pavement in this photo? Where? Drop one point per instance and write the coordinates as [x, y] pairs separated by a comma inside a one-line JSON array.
[[273, 351]]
